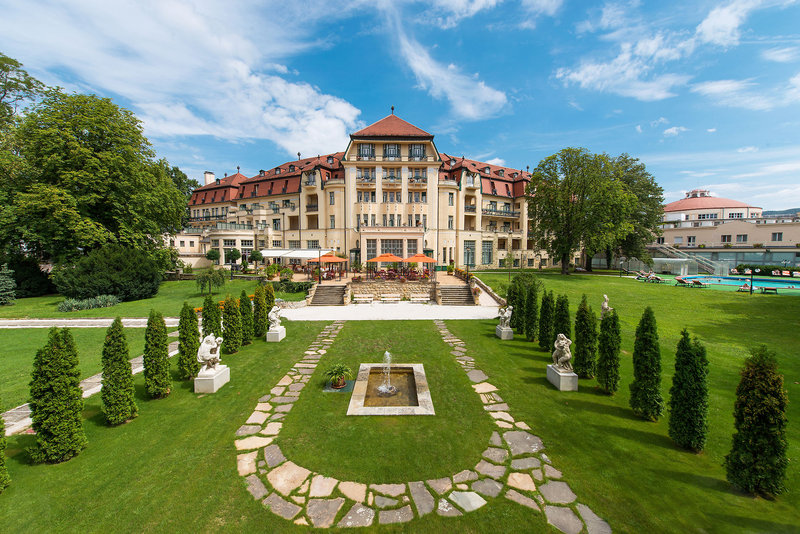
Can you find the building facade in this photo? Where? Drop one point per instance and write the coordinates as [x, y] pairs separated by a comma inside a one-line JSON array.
[[390, 190]]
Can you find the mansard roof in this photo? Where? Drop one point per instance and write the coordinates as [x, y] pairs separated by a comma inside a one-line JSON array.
[[496, 180], [391, 126]]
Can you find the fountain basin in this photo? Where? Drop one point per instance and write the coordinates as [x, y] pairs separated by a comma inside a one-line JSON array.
[[413, 396]]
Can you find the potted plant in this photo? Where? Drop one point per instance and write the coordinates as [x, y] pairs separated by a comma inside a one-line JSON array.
[[337, 373]]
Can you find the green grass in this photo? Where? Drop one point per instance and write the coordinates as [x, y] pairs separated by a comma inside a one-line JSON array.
[[20, 345], [168, 301]]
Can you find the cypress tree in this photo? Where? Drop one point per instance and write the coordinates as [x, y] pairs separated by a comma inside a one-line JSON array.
[[646, 400], [188, 343], [512, 300], [757, 462], [269, 296], [117, 393], [246, 310], [211, 317], [156, 357], [585, 348], [531, 317], [5, 479], [232, 324], [688, 401], [56, 400], [562, 324], [260, 311], [609, 343], [521, 306], [7, 285], [546, 321]]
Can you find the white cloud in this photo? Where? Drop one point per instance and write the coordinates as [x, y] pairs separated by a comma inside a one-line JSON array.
[[448, 13], [745, 149], [612, 16], [711, 130], [575, 105], [537, 8], [500, 162], [638, 128], [660, 120], [739, 94], [782, 55], [675, 130], [721, 26]]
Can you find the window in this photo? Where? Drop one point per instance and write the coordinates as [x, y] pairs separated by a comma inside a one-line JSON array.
[[486, 252], [366, 151], [449, 222], [659, 240], [424, 197], [410, 197], [707, 216], [391, 219], [247, 242], [277, 243], [182, 244], [294, 243], [725, 238], [392, 246], [410, 220], [365, 173], [191, 243], [215, 243], [313, 243], [411, 247], [276, 224], [262, 243], [372, 248], [735, 215], [391, 196], [691, 240], [391, 151], [372, 196], [424, 221], [332, 198], [385, 220], [333, 221], [385, 196], [417, 220], [229, 242], [741, 238], [366, 220], [373, 220], [469, 253], [416, 196], [287, 203], [777, 236], [416, 151], [450, 198]]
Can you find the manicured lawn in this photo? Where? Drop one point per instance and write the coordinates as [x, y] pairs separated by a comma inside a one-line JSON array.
[[169, 300], [20, 345]]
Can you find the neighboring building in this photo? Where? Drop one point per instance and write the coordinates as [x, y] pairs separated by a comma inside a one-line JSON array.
[[391, 190]]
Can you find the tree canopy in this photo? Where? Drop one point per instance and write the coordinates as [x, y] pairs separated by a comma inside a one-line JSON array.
[[16, 86]]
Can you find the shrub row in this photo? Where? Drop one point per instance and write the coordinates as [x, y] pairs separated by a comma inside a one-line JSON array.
[[101, 301], [766, 270]]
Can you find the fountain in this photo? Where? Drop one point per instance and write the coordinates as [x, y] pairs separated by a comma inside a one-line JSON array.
[[386, 389], [374, 393]]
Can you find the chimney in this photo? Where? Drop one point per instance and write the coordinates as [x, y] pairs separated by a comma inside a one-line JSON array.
[[208, 177]]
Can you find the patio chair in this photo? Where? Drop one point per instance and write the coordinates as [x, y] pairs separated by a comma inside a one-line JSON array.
[[744, 289]]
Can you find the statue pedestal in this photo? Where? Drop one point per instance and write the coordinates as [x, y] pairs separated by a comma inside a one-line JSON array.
[[210, 380], [277, 334], [561, 380], [504, 332]]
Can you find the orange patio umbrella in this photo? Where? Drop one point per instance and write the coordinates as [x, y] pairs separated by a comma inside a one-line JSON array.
[[327, 258], [386, 257], [419, 258]]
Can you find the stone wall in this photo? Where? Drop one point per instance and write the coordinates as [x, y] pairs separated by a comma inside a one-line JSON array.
[[380, 287]]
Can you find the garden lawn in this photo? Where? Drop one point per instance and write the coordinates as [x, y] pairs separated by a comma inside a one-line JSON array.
[[168, 301], [626, 469], [19, 347]]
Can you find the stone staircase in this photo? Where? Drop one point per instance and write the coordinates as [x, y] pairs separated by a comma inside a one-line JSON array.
[[456, 296], [328, 296]]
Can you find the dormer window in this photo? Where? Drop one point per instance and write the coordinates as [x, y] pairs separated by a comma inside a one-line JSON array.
[[452, 162], [501, 172], [261, 172], [330, 159], [291, 168], [486, 169], [277, 170]]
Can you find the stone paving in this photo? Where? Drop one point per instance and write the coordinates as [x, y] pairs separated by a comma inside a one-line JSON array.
[[513, 465]]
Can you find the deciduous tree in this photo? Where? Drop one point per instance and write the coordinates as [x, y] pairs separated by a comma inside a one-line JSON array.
[[188, 343], [646, 400], [609, 343], [585, 348], [16, 86], [117, 395], [688, 396], [156, 357]]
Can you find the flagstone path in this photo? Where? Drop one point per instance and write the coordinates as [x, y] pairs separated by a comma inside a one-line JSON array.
[[513, 465]]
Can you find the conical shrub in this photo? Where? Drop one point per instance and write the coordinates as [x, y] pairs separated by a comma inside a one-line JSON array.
[[531, 318], [512, 299], [269, 297], [117, 394], [646, 400], [188, 343], [757, 462], [56, 400], [260, 321], [232, 326], [608, 346], [546, 337], [7, 286], [156, 357], [688, 396], [562, 324], [212, 323], [584, 353], [246, 311]]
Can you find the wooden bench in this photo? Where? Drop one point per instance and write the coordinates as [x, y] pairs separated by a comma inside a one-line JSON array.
[[390, 297], [362, 299], [765, 290], [421, 297]]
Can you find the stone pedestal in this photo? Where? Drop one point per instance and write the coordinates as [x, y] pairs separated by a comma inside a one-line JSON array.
[[561, 380], [504, 332], [210, 380], [277, 334]]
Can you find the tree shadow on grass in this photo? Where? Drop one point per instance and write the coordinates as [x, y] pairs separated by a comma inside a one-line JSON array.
[[604, 409], [700, 481], [752, 524], [642, 436]]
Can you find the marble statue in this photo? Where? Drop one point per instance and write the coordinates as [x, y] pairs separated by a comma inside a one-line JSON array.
[[604, 307], [274, 318], [208, 353], [562, 354], [505, 316]]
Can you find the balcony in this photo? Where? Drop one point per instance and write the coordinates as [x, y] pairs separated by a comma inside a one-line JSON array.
[[310, 182], [494, 212], [418, 181], [391, 181], [207, 218], [471, 183], [470, 209], [365, 180], [312, 207], [365, 157]]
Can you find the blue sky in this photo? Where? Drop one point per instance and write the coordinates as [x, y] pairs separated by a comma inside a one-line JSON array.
[[706, 94]]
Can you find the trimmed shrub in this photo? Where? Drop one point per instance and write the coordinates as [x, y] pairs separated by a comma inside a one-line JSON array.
[[127, 273], [286, 275], [546, 321], [260, 311], [7, 286], [585, 348], [531, 318], [269, 297], [213, 255], [757, 462], [188, 343], [5, 479], [117, 393], [646, 400], [608, 346], [232, 326], [688, 396], [30, 279], [562, 324], [101, 301], [56, 400], [156, 357], [246, 311], [512, 299], [212, 321]]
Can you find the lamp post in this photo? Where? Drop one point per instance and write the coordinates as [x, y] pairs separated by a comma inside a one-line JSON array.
[[751, 278]]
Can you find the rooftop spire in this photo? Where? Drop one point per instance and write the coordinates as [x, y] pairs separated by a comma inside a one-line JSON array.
[[392, 110]]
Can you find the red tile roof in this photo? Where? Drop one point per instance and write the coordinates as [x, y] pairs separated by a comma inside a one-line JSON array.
[[225, 190], [495, 179], [392, 126]]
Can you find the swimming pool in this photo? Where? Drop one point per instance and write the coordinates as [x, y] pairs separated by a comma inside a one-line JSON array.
[[786, 283]]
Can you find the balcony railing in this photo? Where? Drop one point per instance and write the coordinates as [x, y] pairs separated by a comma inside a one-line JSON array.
[[310, 182], [470, 209], [312, 207], [494, 212], [365, 179], [205, 218], [418, 180], [392, 180], [470, 182]]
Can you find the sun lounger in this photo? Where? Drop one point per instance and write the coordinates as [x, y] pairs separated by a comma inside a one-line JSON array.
[[786, 273], [776, 273], [796, 274], [734, 271], [744, 289], [698, 283], [681, 282], [765, 290]]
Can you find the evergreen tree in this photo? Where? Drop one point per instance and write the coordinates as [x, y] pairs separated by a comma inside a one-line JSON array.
[[688, 401], [232, 326], [562, 324], [757, 462], [246, 311], [56, 400], [531, 317], [521, 306], [211, 317], [117, 393], [260, 321], [585, 348], [269, 296], [5, 479], [188, 343], [546, 321], [156, 357], [609, 343], [7, 285], [646, 399], [512, 300]]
